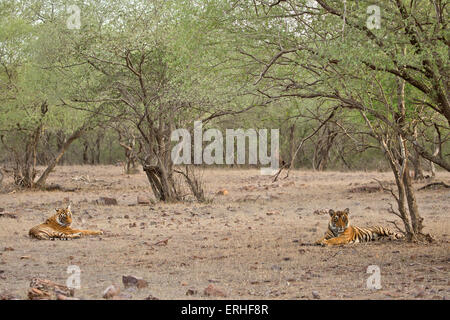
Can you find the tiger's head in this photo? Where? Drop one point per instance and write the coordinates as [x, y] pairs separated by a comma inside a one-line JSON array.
[[339, 220], [63, 217]]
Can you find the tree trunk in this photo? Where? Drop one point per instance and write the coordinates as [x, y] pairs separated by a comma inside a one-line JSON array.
[[60, 138], [43, 178], [25, 170], [98, 145], [323, 148], [418, 172], [292, 144], [85, 152], [162, 185], [416, 219]]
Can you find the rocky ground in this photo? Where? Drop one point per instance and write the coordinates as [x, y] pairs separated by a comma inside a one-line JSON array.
[[246, 244]]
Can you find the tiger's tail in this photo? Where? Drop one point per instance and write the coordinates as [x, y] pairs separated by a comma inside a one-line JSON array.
[[386, 232]]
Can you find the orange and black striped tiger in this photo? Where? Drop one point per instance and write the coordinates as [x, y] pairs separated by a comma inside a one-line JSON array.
[[340, 232], [58, 227]]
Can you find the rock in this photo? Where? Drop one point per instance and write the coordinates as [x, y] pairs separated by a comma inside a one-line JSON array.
[[222, 192], [315, 294], [150, 297], [393, 294], [111, 292], [132, 281], [47, 287], [213, 291], [106, 201], [419, 293], [63, 297], [191, 292], [275, 268], [2, 209], [36, 294], [143, 200], [8, 249], [271, 213]]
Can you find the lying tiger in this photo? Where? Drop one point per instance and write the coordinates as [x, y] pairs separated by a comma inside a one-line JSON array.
[[58, 227], [340, 232]]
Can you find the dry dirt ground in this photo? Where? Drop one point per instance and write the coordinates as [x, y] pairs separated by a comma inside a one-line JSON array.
[[247, 243]]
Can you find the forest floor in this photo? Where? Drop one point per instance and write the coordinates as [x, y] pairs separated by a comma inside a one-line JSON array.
[[248, 244]]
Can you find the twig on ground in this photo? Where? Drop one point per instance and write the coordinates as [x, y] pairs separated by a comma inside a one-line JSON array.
[[162, 241]]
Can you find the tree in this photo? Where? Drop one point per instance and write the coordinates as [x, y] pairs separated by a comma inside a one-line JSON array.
[[394, 84], [36, 83]]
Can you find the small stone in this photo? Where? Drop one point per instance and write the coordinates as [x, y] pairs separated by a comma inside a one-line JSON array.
[[315, 294], [420, 293], [143, 200], [275, 268], [8, 249], [191, 292], [132, 281], [213, 291], [111, 292], [222, 192], [63, 297]]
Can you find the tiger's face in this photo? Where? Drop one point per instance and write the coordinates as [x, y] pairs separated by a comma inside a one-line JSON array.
[[339, 220], [64, 217]]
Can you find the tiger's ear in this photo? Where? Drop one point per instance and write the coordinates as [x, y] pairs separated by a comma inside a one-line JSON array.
[[56, 209], [347, 210], [331, 212]]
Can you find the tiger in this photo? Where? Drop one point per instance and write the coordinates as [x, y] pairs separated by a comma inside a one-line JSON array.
[[58, 227], [340, 232]]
